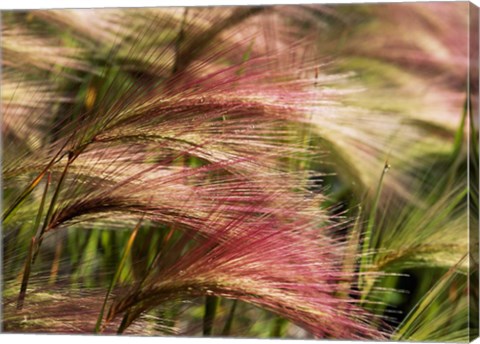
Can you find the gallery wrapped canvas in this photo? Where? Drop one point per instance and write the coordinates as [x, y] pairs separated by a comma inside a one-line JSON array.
[[302, 171]]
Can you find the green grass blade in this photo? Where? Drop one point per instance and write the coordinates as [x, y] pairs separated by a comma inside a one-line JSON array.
[[404, 328], [460, 133]]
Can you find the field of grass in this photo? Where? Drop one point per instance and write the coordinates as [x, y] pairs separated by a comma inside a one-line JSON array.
[[306, 171]]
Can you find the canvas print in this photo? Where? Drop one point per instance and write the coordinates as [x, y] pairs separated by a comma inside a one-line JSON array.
[[303, 171]]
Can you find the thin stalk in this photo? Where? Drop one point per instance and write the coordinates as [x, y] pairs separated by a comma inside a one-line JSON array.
[[165, 240], [350, 257], [41, 207], [24, 194], [228, 323], [28, 190], [51, 207], [26, 275], [28, 260], [126, 318], [120, 266], [369, 235], [211, 304], [124, 323]]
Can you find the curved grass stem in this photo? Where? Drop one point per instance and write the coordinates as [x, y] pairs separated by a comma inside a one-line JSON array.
[[116, 276]]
